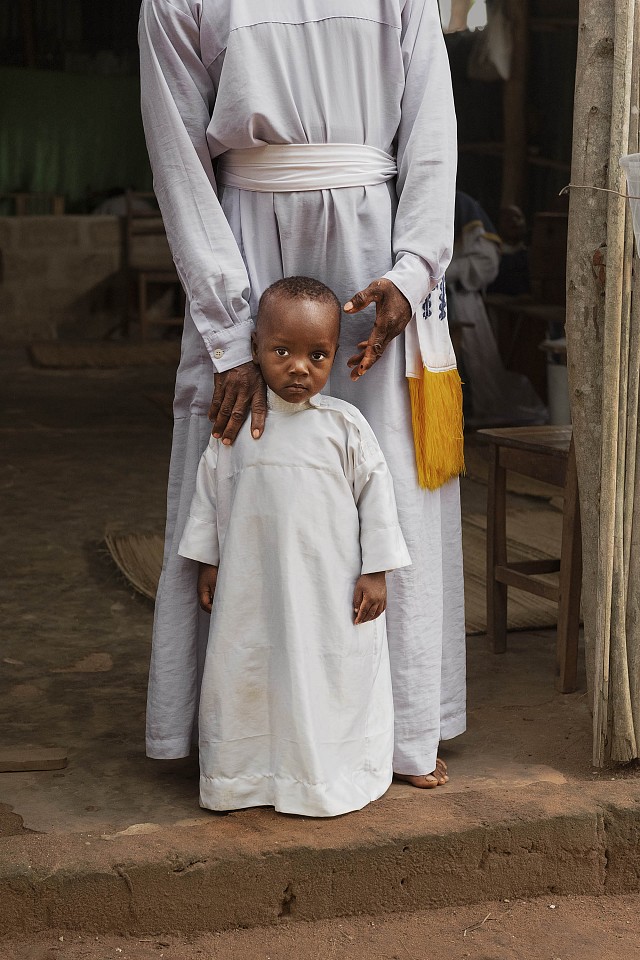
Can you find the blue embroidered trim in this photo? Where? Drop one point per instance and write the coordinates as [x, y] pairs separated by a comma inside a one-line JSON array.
[[426, 308], [443, 300]]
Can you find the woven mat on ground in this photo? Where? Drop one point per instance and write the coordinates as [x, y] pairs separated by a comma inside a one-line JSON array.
[[477, 466], [532, 534], [139, 557], [103, 354]]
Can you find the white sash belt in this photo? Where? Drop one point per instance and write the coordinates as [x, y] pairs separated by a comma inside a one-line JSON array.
[[293, 167]]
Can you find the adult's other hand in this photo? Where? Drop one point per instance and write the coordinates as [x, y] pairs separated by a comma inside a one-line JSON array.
[[393, 313], [238, 392]]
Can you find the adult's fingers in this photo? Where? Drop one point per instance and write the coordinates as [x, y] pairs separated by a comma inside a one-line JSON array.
[[226, 399], [373, 350], [236, 418], [232, 393], [357, 357], [216, 400], [258, 412], [371, 294]]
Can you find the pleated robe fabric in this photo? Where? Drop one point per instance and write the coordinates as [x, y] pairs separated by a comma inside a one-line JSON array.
[[220, 74], [296, 708]]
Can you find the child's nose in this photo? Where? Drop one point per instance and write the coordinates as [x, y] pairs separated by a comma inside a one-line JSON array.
[[300, 365]]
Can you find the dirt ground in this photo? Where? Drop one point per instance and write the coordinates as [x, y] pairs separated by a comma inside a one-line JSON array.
[[571, 928], [87, 450]]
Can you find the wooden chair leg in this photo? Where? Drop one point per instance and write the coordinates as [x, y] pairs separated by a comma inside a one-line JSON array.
[[570, 581], [496, 553]]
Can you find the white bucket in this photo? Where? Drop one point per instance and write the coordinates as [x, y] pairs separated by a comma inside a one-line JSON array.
[[631, 166], [557, 381], [558, 394]]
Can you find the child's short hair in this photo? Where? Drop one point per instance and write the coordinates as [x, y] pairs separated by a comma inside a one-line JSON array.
[[301, 288]]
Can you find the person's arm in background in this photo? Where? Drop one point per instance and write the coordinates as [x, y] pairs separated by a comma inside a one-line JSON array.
[[177, 99], [476, 260]]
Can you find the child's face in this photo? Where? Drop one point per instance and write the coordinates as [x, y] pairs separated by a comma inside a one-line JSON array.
[[295, 344]]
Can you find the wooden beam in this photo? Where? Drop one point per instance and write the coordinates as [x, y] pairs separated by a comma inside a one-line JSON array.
[[514, 170], [553, 24], [28, 36]]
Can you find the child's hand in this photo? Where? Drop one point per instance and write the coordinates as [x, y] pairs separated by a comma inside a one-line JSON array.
[[369, 597], [207, 578]]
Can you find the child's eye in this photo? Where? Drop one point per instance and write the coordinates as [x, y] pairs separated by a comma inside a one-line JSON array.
[[318, 355], [281, 351]]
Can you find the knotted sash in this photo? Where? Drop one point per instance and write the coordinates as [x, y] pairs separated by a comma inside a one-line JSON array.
[[434, 383]]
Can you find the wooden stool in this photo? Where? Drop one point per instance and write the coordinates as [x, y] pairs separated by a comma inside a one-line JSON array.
[[546, 454]]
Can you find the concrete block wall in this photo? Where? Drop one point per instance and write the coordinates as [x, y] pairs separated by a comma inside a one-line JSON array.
[[59, 276]]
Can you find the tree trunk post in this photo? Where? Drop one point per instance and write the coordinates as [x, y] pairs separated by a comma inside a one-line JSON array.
[[585, 281]]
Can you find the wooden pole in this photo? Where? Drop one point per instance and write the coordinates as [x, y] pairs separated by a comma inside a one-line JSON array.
[[585, 289], [514, 109], [610, 532], [621, 739], [633, 391]]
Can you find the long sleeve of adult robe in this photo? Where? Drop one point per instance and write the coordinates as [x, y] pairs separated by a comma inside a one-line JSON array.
[[426, 149], [177, 99]]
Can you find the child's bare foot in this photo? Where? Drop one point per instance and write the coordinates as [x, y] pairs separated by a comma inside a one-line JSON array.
[[427, 781]]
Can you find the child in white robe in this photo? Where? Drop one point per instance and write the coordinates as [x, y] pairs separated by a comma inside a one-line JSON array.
[[294, 533]]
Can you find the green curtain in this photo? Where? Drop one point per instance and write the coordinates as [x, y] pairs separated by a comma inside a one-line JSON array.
[[70, 134]]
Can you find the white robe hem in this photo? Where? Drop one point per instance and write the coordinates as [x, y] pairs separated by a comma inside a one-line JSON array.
[[287, 795]]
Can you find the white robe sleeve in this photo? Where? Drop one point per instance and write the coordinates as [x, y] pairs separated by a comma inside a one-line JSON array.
[[476, 260], [200, 538], [381, 541], [426, 151], [177, 100]]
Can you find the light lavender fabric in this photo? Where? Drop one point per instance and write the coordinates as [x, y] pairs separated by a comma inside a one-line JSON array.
[[218, 75]]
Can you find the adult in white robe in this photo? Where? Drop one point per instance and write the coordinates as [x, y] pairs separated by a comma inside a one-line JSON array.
[[296, 708], [216, 75]]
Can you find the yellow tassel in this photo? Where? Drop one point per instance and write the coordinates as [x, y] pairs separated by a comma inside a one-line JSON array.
[[436, 414]]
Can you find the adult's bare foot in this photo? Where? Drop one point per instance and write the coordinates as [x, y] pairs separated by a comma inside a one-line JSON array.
[[427, 781]]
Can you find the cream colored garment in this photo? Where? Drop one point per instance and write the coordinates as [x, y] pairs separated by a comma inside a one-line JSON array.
[[296, 710]]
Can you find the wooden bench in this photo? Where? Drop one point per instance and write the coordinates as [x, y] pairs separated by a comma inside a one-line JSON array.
[[546, 454]]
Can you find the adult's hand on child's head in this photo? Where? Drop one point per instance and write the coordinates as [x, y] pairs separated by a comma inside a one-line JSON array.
[[207, 579], [369, 597], [393, 313], [238, 392]]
